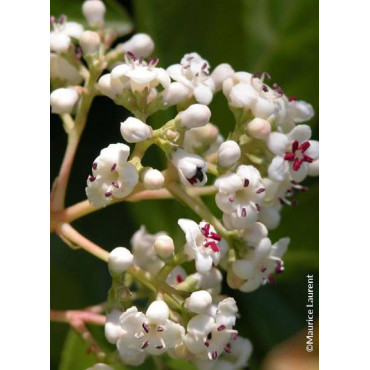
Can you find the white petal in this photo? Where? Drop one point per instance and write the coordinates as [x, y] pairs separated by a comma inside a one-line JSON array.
[[203, 262], [277, 143], [300, 133], [301, 174], [229, 183], [313, 150], [278, 169]]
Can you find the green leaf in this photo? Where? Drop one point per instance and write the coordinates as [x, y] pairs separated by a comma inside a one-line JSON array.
[[116, 15]]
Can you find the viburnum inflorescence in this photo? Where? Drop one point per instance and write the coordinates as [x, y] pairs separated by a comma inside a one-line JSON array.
[[156, 305]]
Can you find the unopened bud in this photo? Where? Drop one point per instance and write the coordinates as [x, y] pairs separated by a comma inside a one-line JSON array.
[[164, 246], [152, 179], [196, 115], [90, 42], [220, 74], [199, 302], [313, 168], [63, 100], [228, 153], [175, 93], [259, 128], [158, 312], [120, 260], [141, 45], [93, 11], [133, 130], [112, 328]]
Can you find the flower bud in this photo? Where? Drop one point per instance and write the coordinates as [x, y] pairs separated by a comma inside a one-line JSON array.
[[141, 45], [228, 153], [259, 128], [93, 11], [175, 93], [164, 247], [158, 312], [59, 42], [112, 328], [133, 130], [63, 100], [262, 250], [220, 74], [199, 302], [196, 115], [90, 42], [152, 179], [120, 259]]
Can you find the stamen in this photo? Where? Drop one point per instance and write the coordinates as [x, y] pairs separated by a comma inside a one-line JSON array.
[[108, 194], [260, 190], [199, 176], [244, 212], [153, 61], [205, 230], [116, 184], [206, 343], [295, 145], [160, 328], [266, 75], [145, 327], [234, 336], [92, 178], [279, 268], [215, 236], [289, 156], [113, 167], [132, 55], [293, 98], [159, 347], [213, 246], [246, 183], [94, 166], [145, 344], [304, 146], [231, 199], [297, 164], [271, 279], [265, 88], [258, 207], [214, 355], [179, 278], [227, 348], [221, 327], [263, 268], [307, 158]]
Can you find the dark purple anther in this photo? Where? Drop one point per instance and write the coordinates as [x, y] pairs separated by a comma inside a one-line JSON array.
[[244, 212], [114, 166], [246, 183], [92, 178], [145, 344], [214, 355], [94, 166], [145, 327], [227, 348], [221, 327], [131, 55], [260, 190], [108, 194]]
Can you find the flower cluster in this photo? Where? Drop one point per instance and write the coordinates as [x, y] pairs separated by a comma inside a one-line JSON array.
[[157, 305]]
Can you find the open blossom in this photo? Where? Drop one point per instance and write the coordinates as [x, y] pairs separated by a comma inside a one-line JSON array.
[[152, 332], [294, 152], [239, 196], [193, 73], [264, 261], [143, 250], [202, 244], [138, 75], [202, 140], [235, 358], [191, 168], [112, 176], [250, 92], [63, 33], [210, 335]]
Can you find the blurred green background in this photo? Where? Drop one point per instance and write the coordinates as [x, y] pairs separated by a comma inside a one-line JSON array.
[[278, 36]]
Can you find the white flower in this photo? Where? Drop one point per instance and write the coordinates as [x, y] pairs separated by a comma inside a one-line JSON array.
[[228, 153], [134, 130], [201, 244], [254, 234], [164, 246], [196, 115], [152, 179], [93, 11], [137, 75], [63, 100], [152, 333], [191, 168], [112, 328], [112, 177], [90, 42], [141, 45], [294, 152], [100, 366], [193, 73], [199, 302], [261, 264], [143, 250], [131, 356], [209, 336], [61, 70], [120, 259], [63, 31], [235, 358], [239, 196]]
